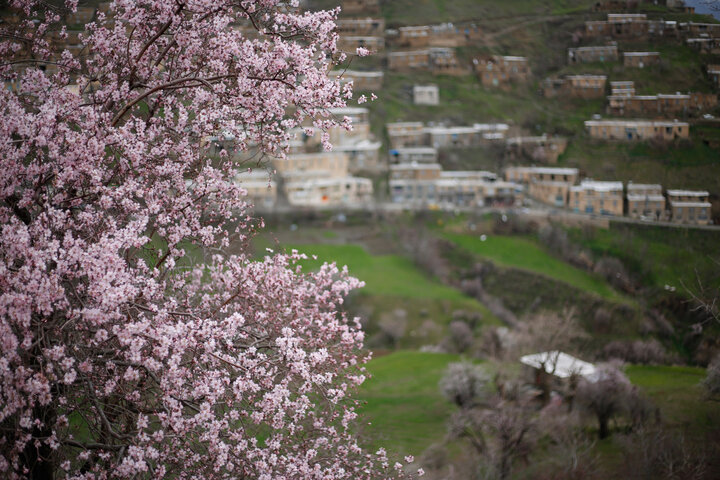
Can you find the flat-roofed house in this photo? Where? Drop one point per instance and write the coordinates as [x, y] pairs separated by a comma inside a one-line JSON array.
[[640, 59], [406, 134], [645, 201], [328, 192], [619, 25], [542, 149], [615, 5], [705, 45], [525, 175], [413, 154], [689, 207], [409, 61], [605, 198], [327, 164], [261, 188], [575, 86], [693, 29], [371, 27], [545, 184], [607, 53], [637, 130], [362, 81], [500, 71], [349, 43]]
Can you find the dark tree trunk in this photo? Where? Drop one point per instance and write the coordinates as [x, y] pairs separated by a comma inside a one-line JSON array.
[[603, 424], [38, 458]]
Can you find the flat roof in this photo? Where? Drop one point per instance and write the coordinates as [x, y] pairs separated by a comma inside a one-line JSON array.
[[691, 204], [599, 186], [688, 193], [559, 364], [640, 54], [643, 186], [634, 123]]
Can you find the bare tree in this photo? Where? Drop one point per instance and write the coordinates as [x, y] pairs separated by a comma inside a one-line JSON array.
[[465, 383], [606, 395]]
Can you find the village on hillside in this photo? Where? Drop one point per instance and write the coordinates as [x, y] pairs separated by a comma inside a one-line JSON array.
[[399, 164]]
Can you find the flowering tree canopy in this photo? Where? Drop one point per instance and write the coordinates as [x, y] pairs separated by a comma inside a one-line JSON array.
[[118, 360]]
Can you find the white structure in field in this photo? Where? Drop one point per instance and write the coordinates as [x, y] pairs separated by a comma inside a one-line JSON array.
[[426, 95], [559, 364]]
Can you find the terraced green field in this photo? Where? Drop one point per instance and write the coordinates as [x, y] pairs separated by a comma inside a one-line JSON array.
[[525, 254]]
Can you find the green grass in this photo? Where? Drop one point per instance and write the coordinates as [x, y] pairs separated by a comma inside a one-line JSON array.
[[390, 275], [525, 254], [678, 394], [404, 405], [659, 255]]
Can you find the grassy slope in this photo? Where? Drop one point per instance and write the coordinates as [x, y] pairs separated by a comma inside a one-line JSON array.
[[404, 404], [678, 393], [525, 254], [662, 256]]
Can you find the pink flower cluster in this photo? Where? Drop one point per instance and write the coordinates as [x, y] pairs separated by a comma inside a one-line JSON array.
[[120, 358]]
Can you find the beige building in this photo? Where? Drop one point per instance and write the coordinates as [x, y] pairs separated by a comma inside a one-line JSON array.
[[362, 151], [362, 81], [637, 130], [349, 43], [545, 184], [575, 86], [702, 30], [406, 134], [525, 175], [364, 27], [329, 192], [689, 207], [645, 201], [261, 188], [608, 53], [427, 186], [439, 61], [423, 36], [622, 89], [619, 26], [640, 59], [541, 149], [706, 46], [500, 71], [326, 164], [605, 198], [426, 95], [413, 154]]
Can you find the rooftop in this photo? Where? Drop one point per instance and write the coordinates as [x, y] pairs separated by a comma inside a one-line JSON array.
[[559, 364]]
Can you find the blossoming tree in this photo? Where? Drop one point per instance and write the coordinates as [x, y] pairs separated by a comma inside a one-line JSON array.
[[115, 362]]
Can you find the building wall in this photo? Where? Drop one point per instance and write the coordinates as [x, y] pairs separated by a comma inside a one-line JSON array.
[[426, 95], [637, 130], [600, 202], [593, 54], [640, 59], [551, 193]]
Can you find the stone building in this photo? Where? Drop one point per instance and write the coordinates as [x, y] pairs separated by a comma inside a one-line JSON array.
[[689, 207], [426, 95], [640, 59], [575, 86], [350, 43], [618, 26], [329, 192], [525, 175], [406, 134], [645, 202], [367, 27], [706, 46], [500, 71], [545, 184], [261, 188], [608, 53], [677, 104], [700, 30], [362, 81], [413, 154], [540, 149], [424, 36], [637, 130], [439, 61], [605, 198], [622, 89]]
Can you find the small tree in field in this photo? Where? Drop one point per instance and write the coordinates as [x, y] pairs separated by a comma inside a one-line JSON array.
[[608, 394], [114, 361], [712, 380], [464, 384]]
